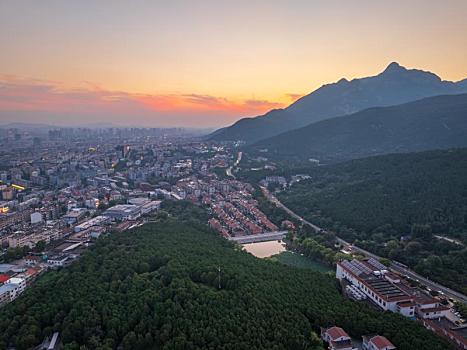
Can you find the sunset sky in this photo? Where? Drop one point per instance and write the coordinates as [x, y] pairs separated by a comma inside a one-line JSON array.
[[207, 63]]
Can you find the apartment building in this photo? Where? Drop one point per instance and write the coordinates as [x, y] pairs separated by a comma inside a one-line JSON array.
[[10, 290]]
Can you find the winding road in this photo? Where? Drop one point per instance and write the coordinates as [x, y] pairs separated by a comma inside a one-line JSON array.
[[229, 169], [395, 266]]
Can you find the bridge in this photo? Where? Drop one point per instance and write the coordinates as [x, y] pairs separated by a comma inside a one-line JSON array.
[[260, 237]]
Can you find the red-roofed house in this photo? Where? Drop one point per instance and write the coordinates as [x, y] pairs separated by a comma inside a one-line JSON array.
[[377, 342], [337, 338]]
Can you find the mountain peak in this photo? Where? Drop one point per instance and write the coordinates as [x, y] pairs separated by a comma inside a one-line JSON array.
[[395, 85], [394, 67]]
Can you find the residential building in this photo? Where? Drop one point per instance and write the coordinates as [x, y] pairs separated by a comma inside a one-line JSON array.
[[377, 342], [337, 338]]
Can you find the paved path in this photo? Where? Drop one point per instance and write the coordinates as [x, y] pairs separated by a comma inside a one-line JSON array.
[[395, 266]]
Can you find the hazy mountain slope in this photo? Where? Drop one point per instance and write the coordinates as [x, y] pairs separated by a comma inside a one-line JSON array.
[[395, 85], [431, 123]]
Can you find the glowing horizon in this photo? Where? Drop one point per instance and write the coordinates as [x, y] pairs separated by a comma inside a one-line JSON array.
[[210, 63]]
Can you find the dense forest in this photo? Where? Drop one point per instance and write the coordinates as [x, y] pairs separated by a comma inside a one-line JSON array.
[[159, 287], [404, 207]]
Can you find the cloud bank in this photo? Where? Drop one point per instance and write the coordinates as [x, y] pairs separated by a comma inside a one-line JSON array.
[[39, 101]]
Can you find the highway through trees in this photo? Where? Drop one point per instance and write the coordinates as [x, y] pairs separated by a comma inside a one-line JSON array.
[[395, 266]]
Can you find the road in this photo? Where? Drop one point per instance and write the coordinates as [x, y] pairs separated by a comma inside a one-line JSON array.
[[395, 266], [229, 169]]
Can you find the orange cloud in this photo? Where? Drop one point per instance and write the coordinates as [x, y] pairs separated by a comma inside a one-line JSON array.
[[44, 101]]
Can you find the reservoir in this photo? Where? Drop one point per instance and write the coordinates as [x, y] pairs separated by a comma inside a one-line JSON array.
[[265, 249]]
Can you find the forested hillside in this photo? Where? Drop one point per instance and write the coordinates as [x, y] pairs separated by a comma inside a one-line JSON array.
[[157, 287], [395, 205], [438, 122]]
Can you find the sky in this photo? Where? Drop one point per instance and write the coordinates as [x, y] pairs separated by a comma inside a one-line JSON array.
[[207, 63]]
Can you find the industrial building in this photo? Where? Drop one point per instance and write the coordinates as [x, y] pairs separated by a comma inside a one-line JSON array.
[[123, 212], [369, 279]]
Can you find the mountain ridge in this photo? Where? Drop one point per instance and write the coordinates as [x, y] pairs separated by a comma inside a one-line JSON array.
[[429, 123], [395, 85]]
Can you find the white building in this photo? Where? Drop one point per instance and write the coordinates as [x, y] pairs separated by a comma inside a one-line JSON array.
[[57, 260], [36, 218], [372, 279], [385, 289], [11, 289]]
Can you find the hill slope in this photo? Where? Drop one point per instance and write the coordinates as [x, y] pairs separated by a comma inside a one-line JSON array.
[[432, 123], [378, 200], [395, 85], [156, 287]]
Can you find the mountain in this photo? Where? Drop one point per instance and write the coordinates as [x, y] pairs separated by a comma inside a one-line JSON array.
[[395, 85], [431, 123]]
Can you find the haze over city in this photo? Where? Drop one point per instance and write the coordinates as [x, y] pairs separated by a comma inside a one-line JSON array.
[[207, 64]]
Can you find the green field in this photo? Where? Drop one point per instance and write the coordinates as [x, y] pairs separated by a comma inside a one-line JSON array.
[[297, 260]]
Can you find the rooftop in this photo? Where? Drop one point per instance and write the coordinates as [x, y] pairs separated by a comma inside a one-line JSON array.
[[126, 208], [384, 287], [381, 342], [336, 332], [15, 280]]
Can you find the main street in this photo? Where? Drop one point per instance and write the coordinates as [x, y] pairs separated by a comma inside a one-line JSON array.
[[395, 266]]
